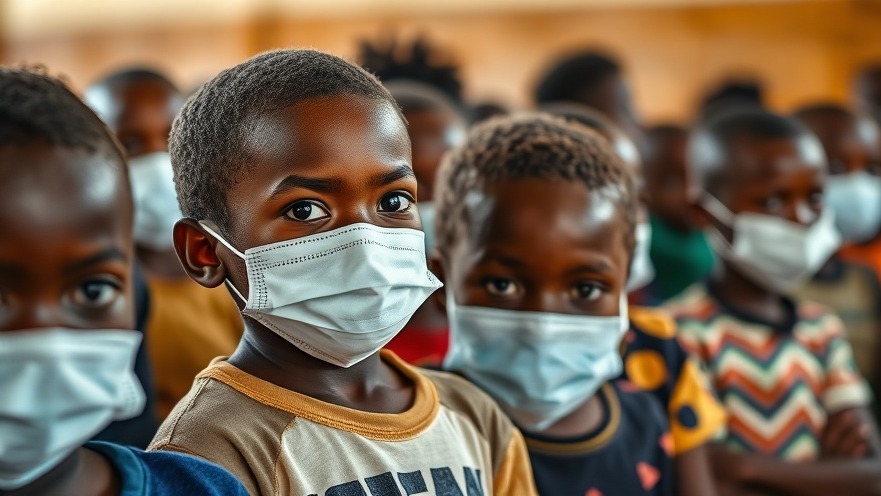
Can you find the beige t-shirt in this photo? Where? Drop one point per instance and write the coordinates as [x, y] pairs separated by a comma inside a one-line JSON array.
[[453, 439]]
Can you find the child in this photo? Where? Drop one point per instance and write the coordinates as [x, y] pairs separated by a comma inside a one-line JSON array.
[[188, 325], [783, 369], [679, 253], [853, 191], [67, 306], [535, 246], [293, 169]]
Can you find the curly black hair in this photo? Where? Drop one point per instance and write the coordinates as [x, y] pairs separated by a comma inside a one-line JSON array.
[[418, 61], [529, 145], [207, 139], [38, 108]]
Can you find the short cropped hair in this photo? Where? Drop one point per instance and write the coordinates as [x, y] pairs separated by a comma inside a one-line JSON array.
[[38, 108], [574, 77], [130, 75], [527, 146], [207, 141], [711, 144]]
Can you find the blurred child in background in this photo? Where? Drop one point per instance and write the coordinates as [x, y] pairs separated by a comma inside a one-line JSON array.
[[853, 191], [783, 369], [679, 252], [188, 325]]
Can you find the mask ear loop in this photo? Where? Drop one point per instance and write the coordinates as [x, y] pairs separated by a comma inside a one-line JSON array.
[[718, 210], [231, 248]]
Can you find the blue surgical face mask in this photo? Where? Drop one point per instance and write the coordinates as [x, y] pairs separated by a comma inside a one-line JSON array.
[[539, 366]]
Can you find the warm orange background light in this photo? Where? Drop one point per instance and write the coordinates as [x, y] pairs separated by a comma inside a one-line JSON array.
[[803, 50]]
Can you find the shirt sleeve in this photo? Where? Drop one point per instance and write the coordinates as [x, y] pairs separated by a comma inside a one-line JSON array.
[[514, 475], [844, 386], [656, 361]]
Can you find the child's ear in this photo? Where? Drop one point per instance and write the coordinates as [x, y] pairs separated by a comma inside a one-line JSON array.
[[196, 250], [436, 265]]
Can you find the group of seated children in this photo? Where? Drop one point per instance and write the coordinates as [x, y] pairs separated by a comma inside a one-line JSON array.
[[295, 179]]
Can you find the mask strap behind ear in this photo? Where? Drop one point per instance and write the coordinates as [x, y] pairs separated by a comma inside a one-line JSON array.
[[224, 242], [232, 249]]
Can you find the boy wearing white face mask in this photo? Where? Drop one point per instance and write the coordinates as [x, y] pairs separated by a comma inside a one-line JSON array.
[[67, 348], [535, 246], [783, 369], [188, 325], [294, 171]]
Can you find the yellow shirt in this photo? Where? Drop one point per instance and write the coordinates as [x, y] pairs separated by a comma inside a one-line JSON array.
[[452, 440], [187, 327]]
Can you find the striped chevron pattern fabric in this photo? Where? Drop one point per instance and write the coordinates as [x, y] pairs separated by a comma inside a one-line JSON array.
[[778, 384]]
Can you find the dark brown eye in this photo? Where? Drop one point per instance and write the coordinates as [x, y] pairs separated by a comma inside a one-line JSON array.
[[501, 287], [395, 202], [306, 211], [95, 293]]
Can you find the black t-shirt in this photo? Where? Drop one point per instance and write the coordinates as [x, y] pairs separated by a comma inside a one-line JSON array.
[[627, 455]]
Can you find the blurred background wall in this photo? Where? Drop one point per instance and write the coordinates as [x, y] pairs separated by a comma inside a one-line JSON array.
[[802, 50]]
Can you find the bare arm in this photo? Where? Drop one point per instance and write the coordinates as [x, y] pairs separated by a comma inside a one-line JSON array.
[[693, 474], [854, 476]]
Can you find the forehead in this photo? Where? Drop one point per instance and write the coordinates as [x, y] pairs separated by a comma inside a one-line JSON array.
[[52, 197], [751, 160], [328, 128], [545, 216]]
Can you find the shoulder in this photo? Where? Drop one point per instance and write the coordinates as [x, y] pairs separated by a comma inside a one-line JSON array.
[[229, 427], [693, 304], [459, 395], [168, 473]]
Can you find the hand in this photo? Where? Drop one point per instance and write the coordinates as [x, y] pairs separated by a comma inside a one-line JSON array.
[[846, 435]]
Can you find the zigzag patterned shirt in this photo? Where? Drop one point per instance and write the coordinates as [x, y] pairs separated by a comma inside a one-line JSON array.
[[778, 383]]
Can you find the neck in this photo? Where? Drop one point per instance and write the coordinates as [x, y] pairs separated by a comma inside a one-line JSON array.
[[369, 385], [744, 295], [587, 418], [163, 264], [83, 473]]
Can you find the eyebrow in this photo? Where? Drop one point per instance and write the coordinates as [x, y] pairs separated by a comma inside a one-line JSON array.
[[600, 266], [104, 256], [400, 172], [299, 182]]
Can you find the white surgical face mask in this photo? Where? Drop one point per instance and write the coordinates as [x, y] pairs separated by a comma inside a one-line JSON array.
[[339, 295], [427, 211], [156, 207], [856, 200], [58, 388], [539, 366], [642, 271], [775, 253]]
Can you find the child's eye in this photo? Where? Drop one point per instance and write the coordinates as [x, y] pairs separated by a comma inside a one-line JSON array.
[[772, 204], [95, 293], [395, 202], [306, 211], [501, 287], [587, 291]]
